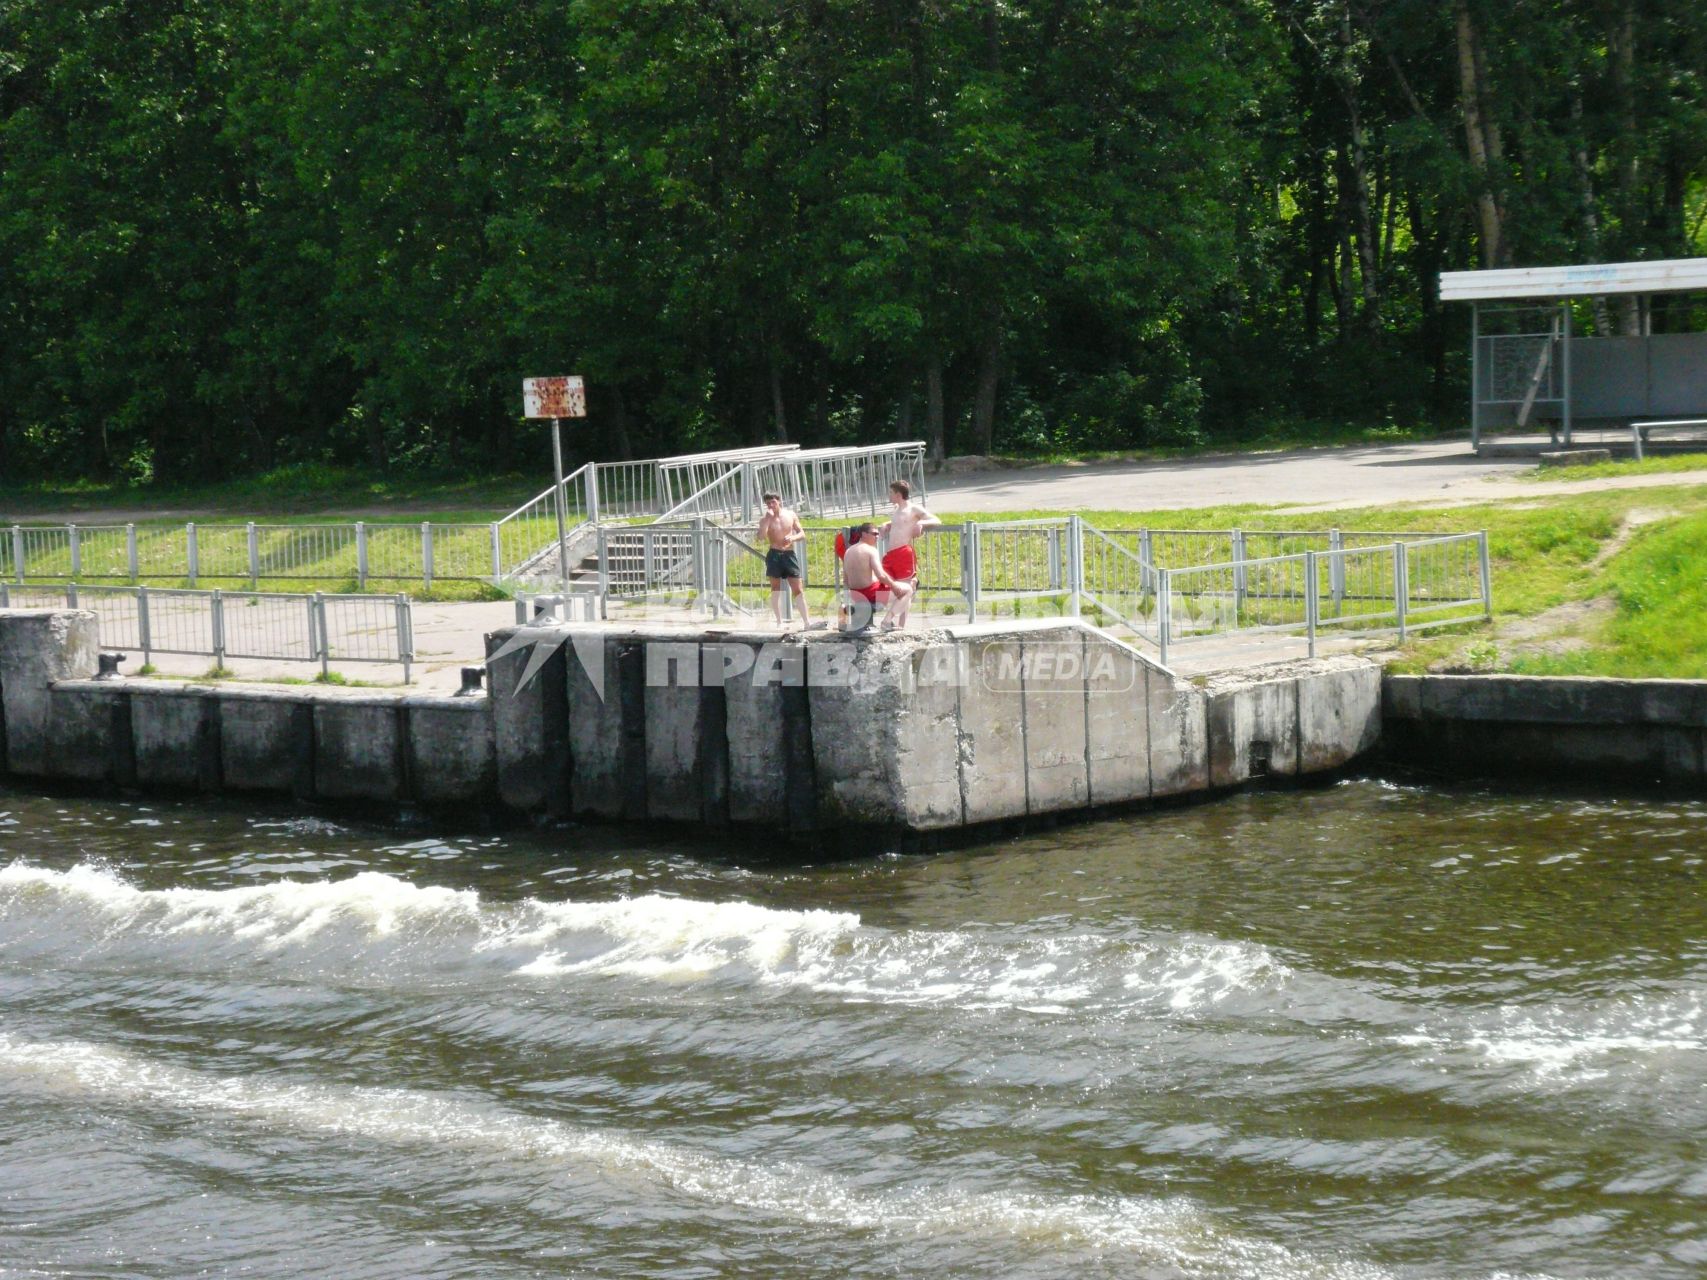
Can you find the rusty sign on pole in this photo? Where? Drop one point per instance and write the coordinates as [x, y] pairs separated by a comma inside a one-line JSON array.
[[554, 398], [557, 398]]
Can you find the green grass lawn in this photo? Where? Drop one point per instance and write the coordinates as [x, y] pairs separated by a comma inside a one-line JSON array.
[[1665, 465], [1545, 553]]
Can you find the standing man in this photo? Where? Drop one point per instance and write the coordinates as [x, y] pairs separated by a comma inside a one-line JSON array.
[[868, 582], [782, 532], [909, 520]]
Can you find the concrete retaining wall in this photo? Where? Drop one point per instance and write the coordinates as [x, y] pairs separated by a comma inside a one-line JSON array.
[[928, 731], [168, 736], [925, 731], [1647, 732]]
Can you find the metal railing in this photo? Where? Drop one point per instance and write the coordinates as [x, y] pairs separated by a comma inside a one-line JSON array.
[[356, 553], [272, 626], [518, 548], [726, 497], [1399, 587], [1070, 568], [843, 481], [687, 474]]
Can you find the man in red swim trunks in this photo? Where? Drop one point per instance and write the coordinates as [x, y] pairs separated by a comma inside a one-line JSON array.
[[868, 583], [908, 522]]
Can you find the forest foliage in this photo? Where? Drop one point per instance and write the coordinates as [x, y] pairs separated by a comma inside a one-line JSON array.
[[236, 234]]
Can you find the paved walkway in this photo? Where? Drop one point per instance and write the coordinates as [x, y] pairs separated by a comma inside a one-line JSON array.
[[1440, 473]]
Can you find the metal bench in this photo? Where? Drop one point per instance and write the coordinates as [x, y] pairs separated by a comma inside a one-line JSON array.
[[1639, 430]]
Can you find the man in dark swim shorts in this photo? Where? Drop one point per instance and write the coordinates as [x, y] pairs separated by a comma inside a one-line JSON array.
[[784, 536]]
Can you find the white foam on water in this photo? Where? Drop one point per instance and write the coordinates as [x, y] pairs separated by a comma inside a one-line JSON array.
[[1578, 1042], [1199, 973], [1169, 1232], [374, 923]]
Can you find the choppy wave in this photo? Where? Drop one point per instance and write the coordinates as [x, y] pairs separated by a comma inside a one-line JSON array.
[[375, 924], [1170, 1232], [1577, 1041]]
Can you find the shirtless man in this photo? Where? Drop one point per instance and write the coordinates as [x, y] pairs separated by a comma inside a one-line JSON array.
[[781, 530], [867, 581], [909, 521]]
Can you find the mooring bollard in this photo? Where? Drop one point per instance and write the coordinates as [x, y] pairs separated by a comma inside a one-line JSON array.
[[473, 679]]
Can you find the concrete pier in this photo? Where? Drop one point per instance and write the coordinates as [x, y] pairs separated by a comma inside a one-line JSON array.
[[1578, 728], [815, 736]]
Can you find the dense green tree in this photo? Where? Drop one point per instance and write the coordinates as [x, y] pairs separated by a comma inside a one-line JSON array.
[[235, 234]]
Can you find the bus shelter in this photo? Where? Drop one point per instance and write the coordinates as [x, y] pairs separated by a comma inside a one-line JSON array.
[[1532, 371]]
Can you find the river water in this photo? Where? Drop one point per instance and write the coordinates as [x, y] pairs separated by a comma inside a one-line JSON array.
[[1366, 1031]]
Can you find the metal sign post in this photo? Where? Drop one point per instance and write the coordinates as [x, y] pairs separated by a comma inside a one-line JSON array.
[[557, 398]]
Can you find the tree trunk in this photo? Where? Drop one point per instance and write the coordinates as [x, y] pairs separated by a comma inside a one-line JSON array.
[[1621, 51], [989, 377], [779, 418], [1368, 263], [1586, 210], [375, 441], [933, 407], [904, 412], [619, 442], [1481, 136]]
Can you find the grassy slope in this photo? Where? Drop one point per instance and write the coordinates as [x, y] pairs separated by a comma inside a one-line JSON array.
[[1545, 554]]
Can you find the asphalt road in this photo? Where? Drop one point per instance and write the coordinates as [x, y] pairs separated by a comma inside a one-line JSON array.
[[1317, 478]]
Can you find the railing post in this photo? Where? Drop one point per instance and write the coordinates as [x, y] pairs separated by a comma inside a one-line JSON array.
[[1239, 582], [1312, 602], [969, 567], [71, 595], [130, 551], [18, 553], [361, 556], [318, 635], [406, 633], [1487, 575], [216, 621], [497, 553], [1075, 560], [1336, 569], [76, 551], [427, 552], [592, 491], [1401, 586], [604, 574], [254, 559], [144, 630], [192, 552], [1164, 612]]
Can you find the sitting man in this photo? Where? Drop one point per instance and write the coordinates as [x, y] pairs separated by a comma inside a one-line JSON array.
[[867, 580]]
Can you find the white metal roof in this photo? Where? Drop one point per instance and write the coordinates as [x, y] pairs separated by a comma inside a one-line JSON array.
[[1664, 275]]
